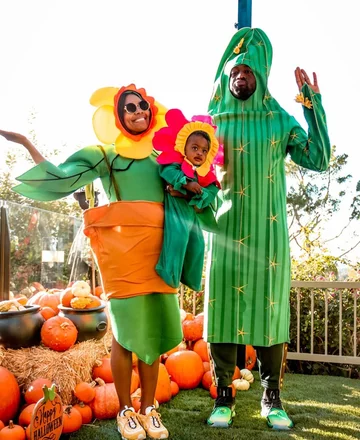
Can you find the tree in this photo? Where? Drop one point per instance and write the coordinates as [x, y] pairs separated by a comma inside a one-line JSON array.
[[313, 199]]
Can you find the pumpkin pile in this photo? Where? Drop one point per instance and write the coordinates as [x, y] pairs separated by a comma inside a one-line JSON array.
[[189, 363]]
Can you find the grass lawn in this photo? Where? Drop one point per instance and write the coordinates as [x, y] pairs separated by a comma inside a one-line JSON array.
[[322, 407]]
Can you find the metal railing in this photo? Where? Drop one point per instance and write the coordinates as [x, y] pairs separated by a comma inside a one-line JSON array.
[[337, 288]]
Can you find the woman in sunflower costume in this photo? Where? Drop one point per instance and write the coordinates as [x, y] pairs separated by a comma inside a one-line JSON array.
[[126, 237], [188, 150]]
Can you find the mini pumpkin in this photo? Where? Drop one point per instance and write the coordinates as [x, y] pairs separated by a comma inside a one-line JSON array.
[[247, 375], [81, 289], [241, 384]]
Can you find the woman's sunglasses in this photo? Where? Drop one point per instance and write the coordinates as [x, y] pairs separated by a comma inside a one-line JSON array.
[[131, 107]]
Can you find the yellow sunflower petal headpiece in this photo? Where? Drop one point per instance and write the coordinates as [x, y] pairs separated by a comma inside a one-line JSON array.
[[109, 129], [186, 131]]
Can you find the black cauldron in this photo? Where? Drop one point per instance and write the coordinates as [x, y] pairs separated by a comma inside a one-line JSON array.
[[21, 328], [90, 323]]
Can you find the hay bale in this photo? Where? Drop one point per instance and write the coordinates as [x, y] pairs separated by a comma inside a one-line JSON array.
[[65, 369]]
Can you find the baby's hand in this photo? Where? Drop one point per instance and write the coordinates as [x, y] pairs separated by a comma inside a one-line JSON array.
[[193, 187]]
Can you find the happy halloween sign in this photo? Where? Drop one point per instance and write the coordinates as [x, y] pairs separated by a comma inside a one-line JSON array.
[[47, 417]]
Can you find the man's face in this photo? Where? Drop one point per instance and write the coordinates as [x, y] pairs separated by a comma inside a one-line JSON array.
[[242, 82]]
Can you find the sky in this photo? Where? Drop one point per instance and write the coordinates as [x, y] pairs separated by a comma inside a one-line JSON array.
[[55, 54]]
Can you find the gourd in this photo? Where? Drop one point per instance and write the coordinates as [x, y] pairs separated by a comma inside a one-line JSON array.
[[85, 391], [241, 384], [72, 419], [247, 375], [81, 289]]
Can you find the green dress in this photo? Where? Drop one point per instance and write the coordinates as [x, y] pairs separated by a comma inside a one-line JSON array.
[[248, 271], [137, 179]]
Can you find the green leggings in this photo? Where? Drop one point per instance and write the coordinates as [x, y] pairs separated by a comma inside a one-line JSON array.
[[269, 359]]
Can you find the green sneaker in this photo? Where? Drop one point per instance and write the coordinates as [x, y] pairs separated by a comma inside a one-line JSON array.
[[272, 409], [224, 409]]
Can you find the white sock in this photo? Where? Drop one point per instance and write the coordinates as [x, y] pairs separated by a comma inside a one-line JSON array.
[[149, 409], [127, 408]]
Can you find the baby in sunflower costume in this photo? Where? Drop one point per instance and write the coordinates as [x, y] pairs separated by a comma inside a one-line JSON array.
[[189, 150]]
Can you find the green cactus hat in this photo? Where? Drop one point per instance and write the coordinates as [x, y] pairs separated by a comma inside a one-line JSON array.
[[252, 47]]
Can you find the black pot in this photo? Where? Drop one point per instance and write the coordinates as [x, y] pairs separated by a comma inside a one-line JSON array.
[[21, 329], [90, 323]]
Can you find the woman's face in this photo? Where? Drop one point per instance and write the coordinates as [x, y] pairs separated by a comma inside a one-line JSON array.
[[139, 120]]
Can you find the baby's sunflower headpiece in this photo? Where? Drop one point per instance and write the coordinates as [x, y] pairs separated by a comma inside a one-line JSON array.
[[171, 140], [109, 128]]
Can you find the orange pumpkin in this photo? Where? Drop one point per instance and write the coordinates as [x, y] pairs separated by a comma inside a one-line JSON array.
[[9, 395], [35, 392], [207, 380], [47, 312], [192, 329], [250, 357], [98, 291], [59, 333], [102, 369], [174, 388], [236, 374], [66, 296], [201, 348], [85, 411], [26, 415], [206, 366], [105, 404], [49, 298], [12, 432], [85, 391], [163, 386], [185, 368], [72, 419]]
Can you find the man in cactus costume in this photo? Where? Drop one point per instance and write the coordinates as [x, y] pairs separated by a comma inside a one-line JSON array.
[[248, 272]]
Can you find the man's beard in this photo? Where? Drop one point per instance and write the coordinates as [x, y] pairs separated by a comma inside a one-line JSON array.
[[242, 93]]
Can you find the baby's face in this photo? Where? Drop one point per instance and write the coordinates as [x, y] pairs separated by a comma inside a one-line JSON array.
[[196, 149]]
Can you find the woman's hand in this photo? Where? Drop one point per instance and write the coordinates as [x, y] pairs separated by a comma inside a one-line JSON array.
[[23, 140], [14, 137], [302, 77]]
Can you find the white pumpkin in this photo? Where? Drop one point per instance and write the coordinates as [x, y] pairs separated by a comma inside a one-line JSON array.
[[182, 314], [81, 289], [247, 375], [241, 384]]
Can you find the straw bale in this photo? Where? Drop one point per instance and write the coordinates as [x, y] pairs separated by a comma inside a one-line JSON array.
[[65, 369]]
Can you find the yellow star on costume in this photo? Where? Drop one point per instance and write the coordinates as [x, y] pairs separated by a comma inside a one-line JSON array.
[[271, 303], [273, 263], [273, 142], [242, 191], [273, 218], [241, 332], [211, 302], [270, 339], [293, 136], [240, 289], [241, 241], [270, 177], [271, 114], [217, 98], [267, 97], [242, 148]]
